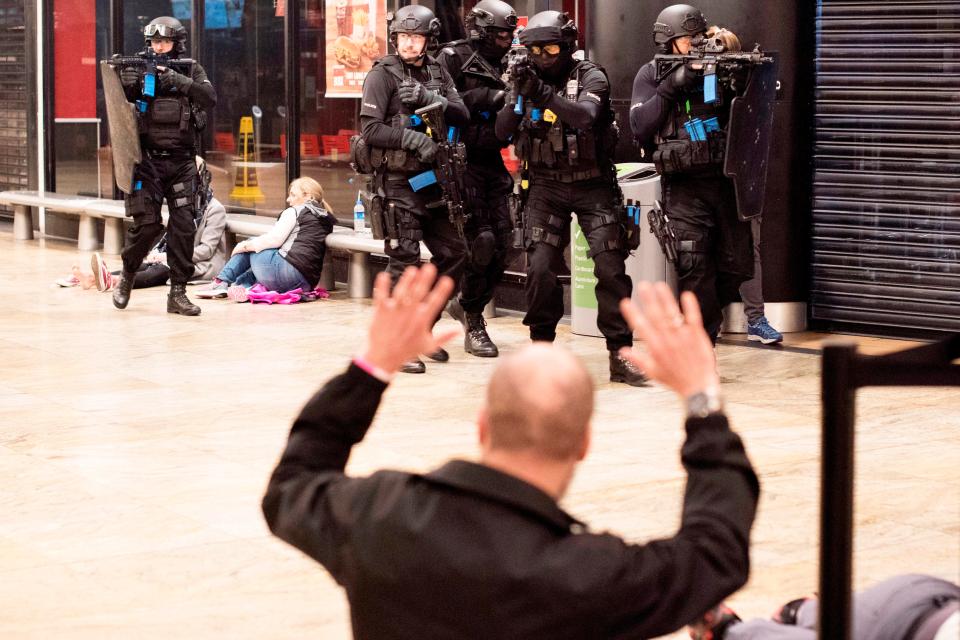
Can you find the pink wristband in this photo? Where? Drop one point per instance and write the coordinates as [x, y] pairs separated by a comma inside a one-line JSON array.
[[373, 370]]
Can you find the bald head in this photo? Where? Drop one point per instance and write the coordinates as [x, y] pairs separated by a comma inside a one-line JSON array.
[[540, 400]]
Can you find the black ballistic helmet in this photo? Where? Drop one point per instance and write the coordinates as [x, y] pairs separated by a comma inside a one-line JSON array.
[[167, 27], [414, 19], [490, 14], [676, 21], [550, 26]]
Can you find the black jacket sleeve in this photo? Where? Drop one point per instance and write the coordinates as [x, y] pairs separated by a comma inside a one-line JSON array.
[[648, 108], [582, 113], [297, 505], [201, 91], [665, 584], [378, 90], [507, 120]]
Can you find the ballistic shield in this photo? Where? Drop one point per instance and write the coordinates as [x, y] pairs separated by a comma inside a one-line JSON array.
[[749, 135], [123, 127]]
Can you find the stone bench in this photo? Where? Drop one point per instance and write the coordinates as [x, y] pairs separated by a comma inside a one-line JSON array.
[[88, 209]]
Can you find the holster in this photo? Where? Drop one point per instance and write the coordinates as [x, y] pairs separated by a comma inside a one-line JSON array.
[[515, 201]]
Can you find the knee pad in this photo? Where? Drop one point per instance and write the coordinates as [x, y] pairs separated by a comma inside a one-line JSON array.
[[482, 248]]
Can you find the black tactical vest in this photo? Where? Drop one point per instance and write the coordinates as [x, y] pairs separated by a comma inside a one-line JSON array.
[[399, 116], [561, 151], [168, 122]]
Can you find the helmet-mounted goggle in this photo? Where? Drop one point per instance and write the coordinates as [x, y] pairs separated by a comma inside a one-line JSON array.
[[160, 30]]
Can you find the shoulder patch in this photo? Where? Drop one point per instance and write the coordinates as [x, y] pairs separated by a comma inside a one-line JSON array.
[[367, 104]]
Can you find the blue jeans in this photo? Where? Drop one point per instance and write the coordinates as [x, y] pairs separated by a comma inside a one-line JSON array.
[[267, 267]]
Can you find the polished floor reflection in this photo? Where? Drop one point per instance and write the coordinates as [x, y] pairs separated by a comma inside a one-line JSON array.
[[135, 446]]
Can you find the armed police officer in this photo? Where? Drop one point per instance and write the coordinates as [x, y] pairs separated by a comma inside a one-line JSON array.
[[476, 65], [401, 149], [714, 251], [565, 134], [172, 108]]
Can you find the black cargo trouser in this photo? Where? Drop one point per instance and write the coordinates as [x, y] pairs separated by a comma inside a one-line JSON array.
[[173, 178], [417, 222], [487, 189], [547, 221], [714, 247]]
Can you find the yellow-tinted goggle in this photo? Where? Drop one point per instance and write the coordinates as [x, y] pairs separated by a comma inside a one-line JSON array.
[[549, 49]]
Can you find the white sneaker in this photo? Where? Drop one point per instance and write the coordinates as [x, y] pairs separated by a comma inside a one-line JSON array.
[[216, 289], [101, 273]]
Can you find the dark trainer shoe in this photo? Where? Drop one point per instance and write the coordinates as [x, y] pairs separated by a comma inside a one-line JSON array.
[[177, 301], [121, 295], [413, 366], [622, 370], [440, 355]]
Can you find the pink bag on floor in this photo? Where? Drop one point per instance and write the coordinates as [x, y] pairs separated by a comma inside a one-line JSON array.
[[259, 293]]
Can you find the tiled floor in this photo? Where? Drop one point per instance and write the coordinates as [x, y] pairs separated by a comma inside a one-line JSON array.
[[135, 446]]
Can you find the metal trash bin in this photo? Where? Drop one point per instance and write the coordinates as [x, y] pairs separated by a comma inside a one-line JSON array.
[[640, 184]]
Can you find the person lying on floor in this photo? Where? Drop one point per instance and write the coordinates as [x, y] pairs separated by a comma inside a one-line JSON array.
[[209, 249]]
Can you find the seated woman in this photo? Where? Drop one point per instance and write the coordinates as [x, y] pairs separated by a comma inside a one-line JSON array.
[[288, 257], [209, 248]]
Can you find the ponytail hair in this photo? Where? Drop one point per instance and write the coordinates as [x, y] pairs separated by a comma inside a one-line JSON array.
[[312, 190]]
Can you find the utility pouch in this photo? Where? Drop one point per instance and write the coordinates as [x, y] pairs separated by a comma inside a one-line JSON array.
[[165, 111], [573, 149], [717, 141], [673, 156], [360, 157], [700, 153], [631, 223]]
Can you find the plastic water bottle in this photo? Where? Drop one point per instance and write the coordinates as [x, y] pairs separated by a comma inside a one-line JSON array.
[[359, 217]]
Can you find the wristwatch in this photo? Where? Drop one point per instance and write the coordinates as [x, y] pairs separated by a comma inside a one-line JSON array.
[[704, 403]]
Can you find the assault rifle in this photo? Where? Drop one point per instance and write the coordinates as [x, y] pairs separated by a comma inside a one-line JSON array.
[[149, 61], [518, 66], [660, 228], [709, 59], [449, 164], [478, 67]]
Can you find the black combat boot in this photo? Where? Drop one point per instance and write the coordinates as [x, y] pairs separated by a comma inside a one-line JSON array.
[[121, 295], [440, 355], [476, 340], [414, 365], [622, 370], [177, 301]]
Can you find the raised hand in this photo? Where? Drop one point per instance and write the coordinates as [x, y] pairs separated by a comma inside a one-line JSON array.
[[679, 353], [403, 319]]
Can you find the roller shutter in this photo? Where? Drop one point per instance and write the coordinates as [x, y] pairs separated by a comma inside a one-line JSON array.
[[13, 98], [886, 186]]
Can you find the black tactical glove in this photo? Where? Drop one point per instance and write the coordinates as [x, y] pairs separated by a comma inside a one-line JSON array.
[[172, 79], [420, 144], [535, 89], [129, 77], [681, 79], [414, 95]]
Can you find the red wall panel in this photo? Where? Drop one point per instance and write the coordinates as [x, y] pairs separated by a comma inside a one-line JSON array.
[[75, 58]]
